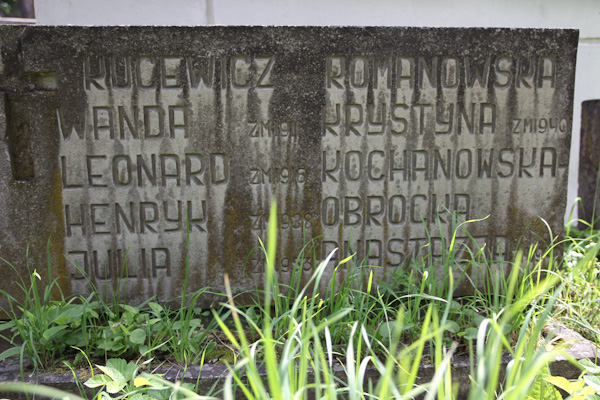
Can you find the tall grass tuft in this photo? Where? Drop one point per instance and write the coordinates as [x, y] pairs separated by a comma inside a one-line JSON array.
[[375, 361]]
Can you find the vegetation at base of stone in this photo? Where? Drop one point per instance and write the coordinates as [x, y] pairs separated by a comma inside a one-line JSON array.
[[307, 344], [42, 329], [587, 387], [47, 331], [580, 299], [120, 379], [378, 333], [150, 328]]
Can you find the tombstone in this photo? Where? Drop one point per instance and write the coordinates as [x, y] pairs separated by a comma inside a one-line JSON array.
[[131, 152], [589, 162]]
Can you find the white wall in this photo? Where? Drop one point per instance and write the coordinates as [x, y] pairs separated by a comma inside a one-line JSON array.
[[581, 14], [120, 12]]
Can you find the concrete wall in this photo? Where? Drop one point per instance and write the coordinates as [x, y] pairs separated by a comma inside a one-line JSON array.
[[121, 12], [580, 14]]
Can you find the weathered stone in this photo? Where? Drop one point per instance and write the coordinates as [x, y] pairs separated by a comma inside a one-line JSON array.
[[589, 162], [366, 137]]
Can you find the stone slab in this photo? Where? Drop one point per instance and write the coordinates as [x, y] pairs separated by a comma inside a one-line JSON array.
[[589, 162], [367, 137]]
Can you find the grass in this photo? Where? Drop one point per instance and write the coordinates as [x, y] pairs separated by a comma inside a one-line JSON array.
[[580, 299], [378, 331]]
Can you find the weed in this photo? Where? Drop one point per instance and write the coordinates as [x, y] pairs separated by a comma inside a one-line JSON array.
[[43, 330]]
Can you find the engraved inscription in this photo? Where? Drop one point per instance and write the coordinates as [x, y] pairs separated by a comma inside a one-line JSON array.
[[144, 170], [150, 72], [449, 71], [272, 129], [438, 119], [410, 142], [169, 159], [540, 125], [274, 175], [416, 165]]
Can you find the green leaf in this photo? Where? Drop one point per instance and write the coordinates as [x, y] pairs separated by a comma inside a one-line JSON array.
[[210, 347], [140, 396], [97, 380], [157, 308], [542, 389], [477, 319], [575, 386], [72, 312], [52, 311], [199, 337], [114, 373], [388, 329], [75, 324], [560, 382], [456, 306], [345, 260], [471, 333], [117, 363], [586, 391], [141, 381], [132, 310], [195, 323], [91, 314], [75, 339], [111, 345], [13, 351], [193, 347], [127, 318], [128, 370], [138, 336], [114, 387], [188, 385], [143, 349], [53, 332], [7, 325], [452, 326], [589, 366], [593, 381]]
